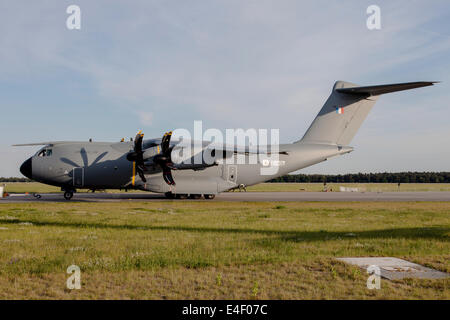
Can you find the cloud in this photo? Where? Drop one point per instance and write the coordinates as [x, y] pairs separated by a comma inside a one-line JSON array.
[[145, 118], [263, 64]]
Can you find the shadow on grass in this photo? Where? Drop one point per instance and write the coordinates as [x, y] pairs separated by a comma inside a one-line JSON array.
[[440, 233]]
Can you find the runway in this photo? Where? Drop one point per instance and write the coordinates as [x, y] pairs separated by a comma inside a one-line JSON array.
[[240, 196]]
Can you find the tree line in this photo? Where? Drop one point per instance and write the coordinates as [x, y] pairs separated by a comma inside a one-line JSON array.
[[382, 177]]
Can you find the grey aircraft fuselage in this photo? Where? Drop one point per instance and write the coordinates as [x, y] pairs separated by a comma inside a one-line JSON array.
[[104, 165]]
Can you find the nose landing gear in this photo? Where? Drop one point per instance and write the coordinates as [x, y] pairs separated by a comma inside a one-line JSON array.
[[68, 194]]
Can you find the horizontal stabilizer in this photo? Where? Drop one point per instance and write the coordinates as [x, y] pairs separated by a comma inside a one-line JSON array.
[[385, 88]]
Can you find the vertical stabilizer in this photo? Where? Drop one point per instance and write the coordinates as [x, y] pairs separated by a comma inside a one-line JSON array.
[[345, 110]]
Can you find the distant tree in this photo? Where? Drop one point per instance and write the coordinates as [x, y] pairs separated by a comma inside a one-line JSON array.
[[395, 177], [384, 177]]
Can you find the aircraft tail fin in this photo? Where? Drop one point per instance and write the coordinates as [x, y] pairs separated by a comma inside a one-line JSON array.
[[345, 110]]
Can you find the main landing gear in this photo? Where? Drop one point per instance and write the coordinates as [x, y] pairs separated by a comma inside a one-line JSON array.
[[68, 194], [171, 195]]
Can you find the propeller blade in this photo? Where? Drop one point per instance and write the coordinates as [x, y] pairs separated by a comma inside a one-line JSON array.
[[164, 159], [165, 143], [167, 176], [138, 142], [137, 157], [84, 157], [140, 171]]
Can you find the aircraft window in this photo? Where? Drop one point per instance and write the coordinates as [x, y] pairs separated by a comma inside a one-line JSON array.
[[45, 153]]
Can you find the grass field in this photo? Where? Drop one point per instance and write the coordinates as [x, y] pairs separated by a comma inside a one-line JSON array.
[[212, 250], [35, 187]]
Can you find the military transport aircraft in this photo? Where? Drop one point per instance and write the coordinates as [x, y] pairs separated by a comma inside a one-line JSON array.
[[147, 164]]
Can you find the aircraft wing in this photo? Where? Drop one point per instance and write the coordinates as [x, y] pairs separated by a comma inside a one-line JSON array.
[[225, 148], [245, 149], [46, 143]]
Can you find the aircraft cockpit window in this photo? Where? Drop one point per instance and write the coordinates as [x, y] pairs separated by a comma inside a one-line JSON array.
[[45, 153]]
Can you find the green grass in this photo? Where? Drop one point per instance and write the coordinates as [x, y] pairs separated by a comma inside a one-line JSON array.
[[35, 187], [218, 249], [30, 187]]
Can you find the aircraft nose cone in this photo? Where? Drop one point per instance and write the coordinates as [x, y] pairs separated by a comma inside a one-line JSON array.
[[26, 169]]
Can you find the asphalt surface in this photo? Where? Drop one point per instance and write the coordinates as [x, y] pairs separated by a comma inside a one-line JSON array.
[[241, 196]]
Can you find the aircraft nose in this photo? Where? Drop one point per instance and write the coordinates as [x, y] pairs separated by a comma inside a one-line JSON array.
[[26, 169]]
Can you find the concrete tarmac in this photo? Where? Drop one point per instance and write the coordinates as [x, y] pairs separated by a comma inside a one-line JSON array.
[[240, 196]]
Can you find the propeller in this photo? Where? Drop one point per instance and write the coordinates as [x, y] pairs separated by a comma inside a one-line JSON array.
[[137, 155], [163, 158]]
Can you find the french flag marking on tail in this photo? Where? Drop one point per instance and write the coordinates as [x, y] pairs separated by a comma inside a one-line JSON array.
[[339, 110]]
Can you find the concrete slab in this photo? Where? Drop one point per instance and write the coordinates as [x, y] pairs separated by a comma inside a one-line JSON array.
[[394, 268]]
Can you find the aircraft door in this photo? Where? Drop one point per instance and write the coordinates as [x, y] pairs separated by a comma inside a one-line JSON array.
[[232, 173], [78, 177]]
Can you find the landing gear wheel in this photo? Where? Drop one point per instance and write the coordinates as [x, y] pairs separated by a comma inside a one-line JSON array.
[[182, 196], [195, 196], [209, 196], [169, 195], [68, 195]]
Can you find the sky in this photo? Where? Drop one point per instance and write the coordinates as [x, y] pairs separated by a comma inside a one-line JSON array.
[[161, 65]]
